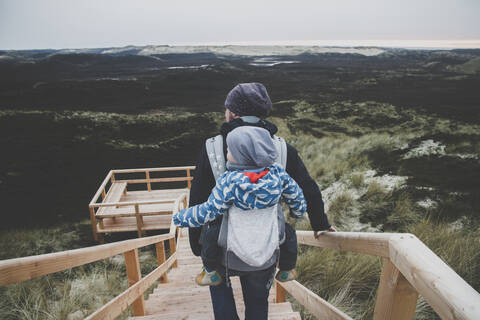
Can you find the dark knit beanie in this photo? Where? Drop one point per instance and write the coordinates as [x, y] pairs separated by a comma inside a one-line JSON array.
[[249, 99]]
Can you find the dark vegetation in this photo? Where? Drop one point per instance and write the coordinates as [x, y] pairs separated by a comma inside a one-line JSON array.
[[69, 118], [66, 119]]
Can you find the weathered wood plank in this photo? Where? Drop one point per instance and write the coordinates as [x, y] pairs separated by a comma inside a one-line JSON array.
[[147, 177], [173, 249], [154, 180], [134, 275], [93, 221], [139, 221], [154, 169], [121, 224], [444, 290], [280, 293], [120, 303], [102, 187], [189, 183], [155, 194], [396, 298], [148, 210], [115, 192], [161, 257], [21, 269], [132, 203], [368, 243], [313, 303]]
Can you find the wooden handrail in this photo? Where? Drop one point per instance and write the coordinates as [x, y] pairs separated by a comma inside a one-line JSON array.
[[316, 305], [21, 269], [444, 290], [154, 169], [375, 244], [154, 180], [121, 302], [410, 268], [406, 257], [131, 203], [102, 187]]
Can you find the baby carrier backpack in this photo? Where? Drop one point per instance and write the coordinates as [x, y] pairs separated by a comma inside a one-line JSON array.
[[251, 235]]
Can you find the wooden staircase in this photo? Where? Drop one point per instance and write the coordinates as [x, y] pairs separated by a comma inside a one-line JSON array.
[[181, 298]]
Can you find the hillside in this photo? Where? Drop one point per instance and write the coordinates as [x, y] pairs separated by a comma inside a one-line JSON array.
[[392, 139]]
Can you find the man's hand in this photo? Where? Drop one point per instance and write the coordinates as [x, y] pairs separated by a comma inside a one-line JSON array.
[[317, 234]]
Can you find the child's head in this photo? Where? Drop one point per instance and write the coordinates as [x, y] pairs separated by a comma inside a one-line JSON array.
[[252, 146]]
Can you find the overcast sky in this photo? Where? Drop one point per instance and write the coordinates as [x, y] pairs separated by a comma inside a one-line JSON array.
[[35, 24]]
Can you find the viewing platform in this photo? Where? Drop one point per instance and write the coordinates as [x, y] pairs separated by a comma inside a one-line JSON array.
[[115, 207]]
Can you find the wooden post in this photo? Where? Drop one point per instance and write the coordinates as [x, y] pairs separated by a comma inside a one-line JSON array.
[[173, 248], [189, 183], [103, 194], [100, 223], [94, 223], [280, 293], [112, 178], [160, 249], [139, 221], [396, 298], [147, 176], [134, 275]]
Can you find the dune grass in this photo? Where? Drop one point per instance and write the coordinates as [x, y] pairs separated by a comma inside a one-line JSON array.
[[349, 281], [340, 143], [72, 294]]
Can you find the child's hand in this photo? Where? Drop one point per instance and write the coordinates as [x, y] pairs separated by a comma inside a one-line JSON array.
[[317, 234], [177, 217]]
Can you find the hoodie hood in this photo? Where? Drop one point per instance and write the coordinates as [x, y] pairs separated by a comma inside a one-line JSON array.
[[252, 146]]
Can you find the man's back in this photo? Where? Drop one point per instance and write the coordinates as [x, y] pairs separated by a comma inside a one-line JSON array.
[[204, 180]]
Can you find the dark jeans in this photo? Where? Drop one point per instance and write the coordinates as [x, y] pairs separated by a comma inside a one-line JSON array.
[[212, 253], [255, 289]]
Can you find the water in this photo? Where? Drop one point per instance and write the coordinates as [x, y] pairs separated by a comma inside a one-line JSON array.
[[411, 44]]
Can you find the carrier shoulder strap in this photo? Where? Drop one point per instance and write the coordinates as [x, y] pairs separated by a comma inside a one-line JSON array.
[[216, 156], [281, 147]]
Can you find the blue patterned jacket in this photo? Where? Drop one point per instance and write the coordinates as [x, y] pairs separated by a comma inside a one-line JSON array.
[[235, 188]]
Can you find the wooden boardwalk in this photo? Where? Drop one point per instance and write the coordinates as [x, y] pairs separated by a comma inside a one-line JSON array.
[[181, 298]]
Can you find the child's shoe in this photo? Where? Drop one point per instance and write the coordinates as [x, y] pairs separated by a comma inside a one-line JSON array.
[[286, 275], [205, 278]]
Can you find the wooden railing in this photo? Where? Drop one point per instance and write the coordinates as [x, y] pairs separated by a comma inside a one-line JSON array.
[[21, 269], [118, 175], [112, 176], [148, 180], [409, 268]]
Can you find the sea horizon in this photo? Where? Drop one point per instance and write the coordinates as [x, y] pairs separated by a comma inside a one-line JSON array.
[[434, 44]]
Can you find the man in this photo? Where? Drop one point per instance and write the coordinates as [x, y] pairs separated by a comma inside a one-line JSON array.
[[247, 104]]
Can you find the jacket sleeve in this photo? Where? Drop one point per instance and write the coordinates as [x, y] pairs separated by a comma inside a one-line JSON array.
[[315, 207], [217, 204], [202, 184], [293, 196]]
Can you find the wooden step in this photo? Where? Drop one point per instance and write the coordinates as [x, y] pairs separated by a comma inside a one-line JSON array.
[[181, 298], [189, 260], [202, 307], [186, 316]]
